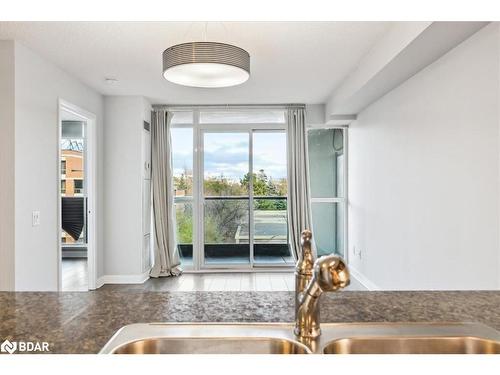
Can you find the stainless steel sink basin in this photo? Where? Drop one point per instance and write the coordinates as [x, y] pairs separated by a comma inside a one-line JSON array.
[[242, 345], [413, 345], [205, 338], [278, 338], [414, 338]]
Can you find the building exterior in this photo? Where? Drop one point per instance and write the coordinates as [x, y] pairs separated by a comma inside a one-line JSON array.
[[72, 175]]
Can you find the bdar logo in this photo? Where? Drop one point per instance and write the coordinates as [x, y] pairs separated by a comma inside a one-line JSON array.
[[8, 347]]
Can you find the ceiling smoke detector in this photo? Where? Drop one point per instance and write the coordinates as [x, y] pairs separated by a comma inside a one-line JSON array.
[[110, 81]]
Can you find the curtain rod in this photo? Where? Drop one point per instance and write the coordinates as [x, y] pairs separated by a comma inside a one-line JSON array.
[[226, 106]]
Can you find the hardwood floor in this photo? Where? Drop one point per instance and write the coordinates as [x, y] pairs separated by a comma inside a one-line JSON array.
[[74, 275]]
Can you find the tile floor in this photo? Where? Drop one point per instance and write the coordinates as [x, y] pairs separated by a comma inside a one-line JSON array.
[[75, 279], [74, 275], [212, 282]]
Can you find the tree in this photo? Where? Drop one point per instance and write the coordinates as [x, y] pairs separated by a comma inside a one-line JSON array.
[[184, 218], [259, 182], [222, 186], [184, 182], [264, 186], [224, 216]]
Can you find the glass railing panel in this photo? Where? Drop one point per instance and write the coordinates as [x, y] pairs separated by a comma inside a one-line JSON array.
[[184, 226], [226, 239], [271, 231]]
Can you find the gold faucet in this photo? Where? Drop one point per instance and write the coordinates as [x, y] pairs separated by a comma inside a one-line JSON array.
[[328, 273]]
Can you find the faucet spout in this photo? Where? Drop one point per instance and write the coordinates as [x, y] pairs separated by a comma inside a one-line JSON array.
[[330, 273], [304, 267]]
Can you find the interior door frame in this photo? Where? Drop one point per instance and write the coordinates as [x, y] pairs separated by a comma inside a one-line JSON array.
[[91, 185]]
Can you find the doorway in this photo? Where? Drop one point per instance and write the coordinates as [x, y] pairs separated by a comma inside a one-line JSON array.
[[76, 191]]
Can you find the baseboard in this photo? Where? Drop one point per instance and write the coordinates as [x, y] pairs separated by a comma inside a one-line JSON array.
[[99, 282], [122, 279], [363, 280]]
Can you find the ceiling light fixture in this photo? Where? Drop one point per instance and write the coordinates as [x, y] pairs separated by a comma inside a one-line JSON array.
[[206, 64]]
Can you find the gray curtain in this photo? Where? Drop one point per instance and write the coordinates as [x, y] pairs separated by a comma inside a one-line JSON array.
[[299, 207], [166, 256]]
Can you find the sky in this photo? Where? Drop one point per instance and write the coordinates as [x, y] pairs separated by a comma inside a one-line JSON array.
[[228, 153]]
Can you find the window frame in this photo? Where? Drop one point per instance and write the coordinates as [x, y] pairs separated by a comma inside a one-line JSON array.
[[337, 200], [81, 190], [198, 199], [63, 166]]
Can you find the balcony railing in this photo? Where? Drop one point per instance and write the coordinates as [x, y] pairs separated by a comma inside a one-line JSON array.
[[227, 231], [74, 222]]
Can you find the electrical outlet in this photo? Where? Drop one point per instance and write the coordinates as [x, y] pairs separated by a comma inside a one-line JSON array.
[[35, 218]]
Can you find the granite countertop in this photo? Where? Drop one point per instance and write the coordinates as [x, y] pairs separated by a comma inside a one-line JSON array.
[[82, 322]]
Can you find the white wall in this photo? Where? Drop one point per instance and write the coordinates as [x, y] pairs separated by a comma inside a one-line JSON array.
[[124, 116], [38, 86], [7, 149], [315, 114], [424, 176], [31, 87]]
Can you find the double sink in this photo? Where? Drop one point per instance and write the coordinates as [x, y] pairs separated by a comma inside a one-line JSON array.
[[312, 278], [278, 338]]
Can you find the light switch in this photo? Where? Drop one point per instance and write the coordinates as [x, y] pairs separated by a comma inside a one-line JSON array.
[[36, 218]]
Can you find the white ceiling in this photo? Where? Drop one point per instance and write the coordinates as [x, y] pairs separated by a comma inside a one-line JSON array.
[[291, 62]]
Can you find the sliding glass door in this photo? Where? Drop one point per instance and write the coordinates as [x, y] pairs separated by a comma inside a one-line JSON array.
[[230, 180], [244, 197], [269, 208], [226, 199]]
